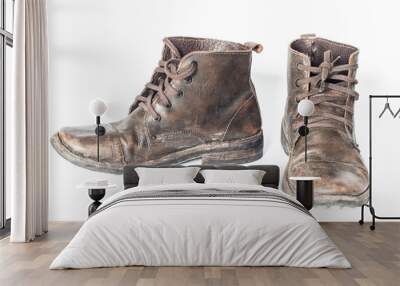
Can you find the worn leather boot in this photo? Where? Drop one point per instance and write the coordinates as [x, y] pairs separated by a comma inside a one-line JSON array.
[[199, 103], [324, 72]]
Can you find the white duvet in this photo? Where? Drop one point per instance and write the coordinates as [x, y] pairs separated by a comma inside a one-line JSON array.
[[200, 231]]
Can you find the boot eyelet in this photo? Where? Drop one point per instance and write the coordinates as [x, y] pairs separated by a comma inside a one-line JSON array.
[[298, 66], [189, 80], [194, 64], [159, 80], [169, 105], [296, 82], [153, 137], [180, 93], [158, 118]]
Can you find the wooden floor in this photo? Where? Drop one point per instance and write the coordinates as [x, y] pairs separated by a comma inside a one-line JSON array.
[[375, 257]]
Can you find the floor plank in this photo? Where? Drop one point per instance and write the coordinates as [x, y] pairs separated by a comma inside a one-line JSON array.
[[375, 257]]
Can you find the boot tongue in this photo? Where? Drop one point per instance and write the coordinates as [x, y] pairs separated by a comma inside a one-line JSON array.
[[170, 50]]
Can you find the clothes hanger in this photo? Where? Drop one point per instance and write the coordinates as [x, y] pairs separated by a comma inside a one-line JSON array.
[[397, 113], [387, 107]]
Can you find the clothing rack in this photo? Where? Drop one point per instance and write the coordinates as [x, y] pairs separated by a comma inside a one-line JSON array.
[[369, 204]]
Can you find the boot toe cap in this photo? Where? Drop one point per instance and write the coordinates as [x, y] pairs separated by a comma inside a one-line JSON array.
[[79, 145], [340, 182], [80, 141]]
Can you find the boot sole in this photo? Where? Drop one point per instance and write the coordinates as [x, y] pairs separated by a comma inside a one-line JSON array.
[[238, 151]]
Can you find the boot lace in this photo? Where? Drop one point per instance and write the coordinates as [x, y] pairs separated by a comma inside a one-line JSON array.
[[328, 76], [167, 71]]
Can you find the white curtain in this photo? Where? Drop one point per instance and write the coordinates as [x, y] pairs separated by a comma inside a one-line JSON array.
[[28, 148]]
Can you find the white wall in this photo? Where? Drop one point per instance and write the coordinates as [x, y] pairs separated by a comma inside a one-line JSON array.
[[108, 49]]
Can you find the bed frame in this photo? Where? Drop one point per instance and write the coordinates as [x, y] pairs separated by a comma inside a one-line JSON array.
[[270, 179]]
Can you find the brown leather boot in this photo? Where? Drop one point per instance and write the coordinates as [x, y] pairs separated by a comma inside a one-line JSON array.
[[199, 103], [324, 72]]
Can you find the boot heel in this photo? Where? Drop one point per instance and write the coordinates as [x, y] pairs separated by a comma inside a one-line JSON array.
[[236, 152]]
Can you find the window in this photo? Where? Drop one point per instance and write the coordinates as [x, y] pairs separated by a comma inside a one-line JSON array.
[[6, 44]]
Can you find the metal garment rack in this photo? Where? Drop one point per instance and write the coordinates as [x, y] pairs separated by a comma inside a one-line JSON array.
[[369, 204]]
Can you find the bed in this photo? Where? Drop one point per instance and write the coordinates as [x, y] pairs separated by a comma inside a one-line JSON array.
[[201, 224]]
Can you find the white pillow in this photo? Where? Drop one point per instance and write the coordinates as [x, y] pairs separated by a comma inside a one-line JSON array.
[[247, 177], [163, 176]]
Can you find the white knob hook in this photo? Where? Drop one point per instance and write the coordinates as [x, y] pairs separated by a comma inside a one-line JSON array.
[[305, 107], [97, 107]]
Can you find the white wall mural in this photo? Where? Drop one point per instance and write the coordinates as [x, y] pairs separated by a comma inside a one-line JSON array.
[[103, 49]]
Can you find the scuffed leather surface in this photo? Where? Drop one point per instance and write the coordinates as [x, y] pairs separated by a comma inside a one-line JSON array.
[[82, 142], [208, 103], [332, 153], [206, 112], [244, 120]]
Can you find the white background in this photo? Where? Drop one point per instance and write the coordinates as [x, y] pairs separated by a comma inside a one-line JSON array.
[[108, 49]]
